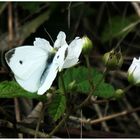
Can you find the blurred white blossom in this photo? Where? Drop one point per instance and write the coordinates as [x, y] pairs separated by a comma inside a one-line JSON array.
[[134, 72]]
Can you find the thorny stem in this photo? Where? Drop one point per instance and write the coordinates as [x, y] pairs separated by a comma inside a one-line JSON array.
[[63, 88], [63, 84], [67, 114]]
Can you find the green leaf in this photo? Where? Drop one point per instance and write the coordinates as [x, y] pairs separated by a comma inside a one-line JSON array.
[[10, 89], [118, 27], [104, 90], [57, 107], [79, 76]]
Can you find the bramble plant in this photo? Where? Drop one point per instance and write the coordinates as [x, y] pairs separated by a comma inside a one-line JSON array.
[[69, 85], [74, 81]]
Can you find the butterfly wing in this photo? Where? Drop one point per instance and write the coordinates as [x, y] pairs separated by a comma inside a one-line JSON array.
[[23, 61], [27, 64], [52, 70]]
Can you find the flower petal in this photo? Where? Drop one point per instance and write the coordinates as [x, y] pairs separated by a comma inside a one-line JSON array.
[[61, 40], [134, 70], [70, 62], [136, 74], [133, 65], [74, 51], [60, 57], [40, 42]]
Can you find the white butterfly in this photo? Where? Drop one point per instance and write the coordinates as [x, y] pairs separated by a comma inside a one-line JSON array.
[[35, 67]]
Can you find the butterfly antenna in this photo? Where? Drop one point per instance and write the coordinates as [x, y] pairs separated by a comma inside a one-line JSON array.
[[49, 35]]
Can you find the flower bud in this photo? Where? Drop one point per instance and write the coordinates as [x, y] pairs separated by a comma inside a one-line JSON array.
[[113, 59], [134, 72], [72, 86], [119, 93], [87, 45]]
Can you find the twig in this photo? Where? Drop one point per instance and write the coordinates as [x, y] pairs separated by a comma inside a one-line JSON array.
[[103, 101], [10, 24], [136, 7], [31, 131], [134, 114], [17, 110], [100, 115], [59, 125], [22, 129], [109, 117], [97, 108], [10, 35], [16, 23], [17, 114], [67, 130], [39, 119]]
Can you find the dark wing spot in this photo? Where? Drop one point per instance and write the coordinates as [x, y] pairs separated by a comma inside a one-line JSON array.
[[57, 56], [9, 55], [20, 61]]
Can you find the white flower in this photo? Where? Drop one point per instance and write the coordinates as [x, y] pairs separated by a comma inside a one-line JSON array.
[[66, 56], [73, 51], [134, 72]]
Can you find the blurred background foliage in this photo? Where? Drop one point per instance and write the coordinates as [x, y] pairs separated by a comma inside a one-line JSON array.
[[107, 24]]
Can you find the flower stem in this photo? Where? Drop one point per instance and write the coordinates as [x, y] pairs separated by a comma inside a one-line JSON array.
[[63, 83], [67, 114], [127, 88]]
